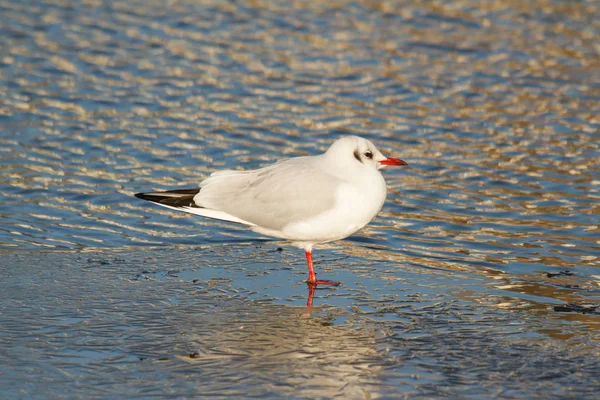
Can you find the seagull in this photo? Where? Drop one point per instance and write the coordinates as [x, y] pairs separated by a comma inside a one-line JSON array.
[[305, 200]]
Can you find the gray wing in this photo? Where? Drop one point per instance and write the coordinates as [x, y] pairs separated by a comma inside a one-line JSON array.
[[274, 196]]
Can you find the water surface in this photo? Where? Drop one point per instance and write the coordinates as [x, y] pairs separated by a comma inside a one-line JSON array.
[[479, 278]]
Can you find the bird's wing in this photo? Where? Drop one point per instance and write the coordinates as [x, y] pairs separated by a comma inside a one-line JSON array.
[[271, 197]]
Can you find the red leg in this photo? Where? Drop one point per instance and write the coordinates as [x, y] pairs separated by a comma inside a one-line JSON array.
[[312, 277]]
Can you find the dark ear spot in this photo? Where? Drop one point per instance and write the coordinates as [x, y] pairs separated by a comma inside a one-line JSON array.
[[357, 155]]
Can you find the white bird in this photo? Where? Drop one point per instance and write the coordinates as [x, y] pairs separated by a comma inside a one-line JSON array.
[[306, 200]]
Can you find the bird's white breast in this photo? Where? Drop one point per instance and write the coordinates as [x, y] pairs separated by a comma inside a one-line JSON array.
[[355, 206]]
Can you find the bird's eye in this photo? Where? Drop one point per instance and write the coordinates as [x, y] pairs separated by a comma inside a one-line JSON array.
[[369, 154]]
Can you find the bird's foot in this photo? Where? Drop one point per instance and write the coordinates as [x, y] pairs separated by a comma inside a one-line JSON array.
[[322, 282], [312, 285]]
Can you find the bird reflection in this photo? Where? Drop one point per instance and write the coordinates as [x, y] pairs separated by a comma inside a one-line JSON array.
[[311, 295]]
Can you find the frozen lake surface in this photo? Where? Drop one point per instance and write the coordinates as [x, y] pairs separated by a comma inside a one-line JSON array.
[[480, 278]]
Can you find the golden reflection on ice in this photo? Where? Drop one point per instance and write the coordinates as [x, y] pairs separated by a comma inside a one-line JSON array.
[[306, 357]]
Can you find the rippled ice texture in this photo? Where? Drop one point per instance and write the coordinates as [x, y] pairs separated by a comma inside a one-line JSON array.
[[480, 278]]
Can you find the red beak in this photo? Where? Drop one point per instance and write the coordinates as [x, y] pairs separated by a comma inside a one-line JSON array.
[[392, 161]]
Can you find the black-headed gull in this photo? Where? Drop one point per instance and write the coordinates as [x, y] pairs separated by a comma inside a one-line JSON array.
[[306, 200]]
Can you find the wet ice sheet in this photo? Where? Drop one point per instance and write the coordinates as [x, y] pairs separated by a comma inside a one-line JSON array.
[[189, 322], [480, 277]]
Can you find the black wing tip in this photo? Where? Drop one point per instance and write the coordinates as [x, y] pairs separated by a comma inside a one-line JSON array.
[[183, 198], [149, 197]]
